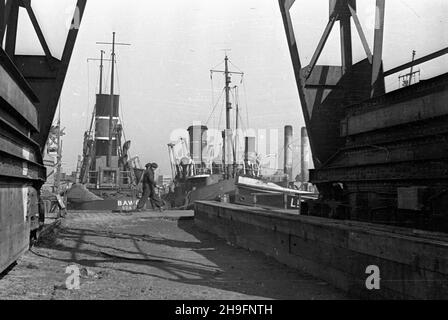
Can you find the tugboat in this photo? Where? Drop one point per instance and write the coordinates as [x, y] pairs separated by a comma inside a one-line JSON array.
[[216, 171], [108, 177]]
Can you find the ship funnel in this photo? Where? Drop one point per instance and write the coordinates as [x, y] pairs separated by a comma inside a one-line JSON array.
[[288, 161], [304, 157], [102, 116], [249, 148], [249, 154], [198, 142]]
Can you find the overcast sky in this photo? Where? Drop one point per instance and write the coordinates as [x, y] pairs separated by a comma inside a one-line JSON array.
[[164, 79]]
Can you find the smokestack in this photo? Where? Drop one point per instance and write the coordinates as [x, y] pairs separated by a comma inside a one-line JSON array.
[[249, 152], [198, 140], [304, 156], [288, 152], [249, 148]]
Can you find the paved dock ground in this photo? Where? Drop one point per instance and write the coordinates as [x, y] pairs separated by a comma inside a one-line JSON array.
[[151, 255]]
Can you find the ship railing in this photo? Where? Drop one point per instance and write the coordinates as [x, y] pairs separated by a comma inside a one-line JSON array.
[[251, 169], [125, 180], [92, 181], [291, 200], [201, 171]]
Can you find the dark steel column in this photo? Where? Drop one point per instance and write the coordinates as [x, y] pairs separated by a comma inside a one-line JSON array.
[[378, 46], [346, 43], [304, 156]]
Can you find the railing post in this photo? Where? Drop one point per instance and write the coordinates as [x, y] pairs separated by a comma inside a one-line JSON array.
[[285, 200]]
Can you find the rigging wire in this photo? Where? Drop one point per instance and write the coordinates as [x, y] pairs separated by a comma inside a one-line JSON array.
[[410, 8], [247, 105], [106, 82], [219, 64], [212, 84], [235, 66], [214, 108], [120, 103], [237, 136], [220, 117], [244, 89], [241, 124], [120, 108], [88, 94]]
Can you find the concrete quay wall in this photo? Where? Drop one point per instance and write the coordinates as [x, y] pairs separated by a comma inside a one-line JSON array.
[[350, 255]]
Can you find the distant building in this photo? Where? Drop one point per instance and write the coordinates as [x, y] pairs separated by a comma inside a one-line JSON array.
[[164, 180]]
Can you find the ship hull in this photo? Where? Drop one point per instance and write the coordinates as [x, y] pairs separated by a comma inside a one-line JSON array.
[[200, 189]]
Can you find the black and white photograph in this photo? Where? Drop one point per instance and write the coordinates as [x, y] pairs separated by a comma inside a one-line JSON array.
[[223, 156]]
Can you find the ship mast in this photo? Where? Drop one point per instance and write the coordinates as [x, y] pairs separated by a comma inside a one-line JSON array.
[[237, 114], [101, 72], [111, 116], [228, 103], [228, 80], [101, 84], [112, 83]]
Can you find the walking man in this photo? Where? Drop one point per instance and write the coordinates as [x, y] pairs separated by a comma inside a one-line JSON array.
[[149, 185]]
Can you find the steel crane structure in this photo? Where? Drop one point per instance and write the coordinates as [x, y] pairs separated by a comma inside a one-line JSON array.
[[378, 156], [30, 88]]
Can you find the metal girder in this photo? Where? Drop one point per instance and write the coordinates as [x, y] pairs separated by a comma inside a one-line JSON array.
[[425, 170], [417, 62], [44, 74], [324, 91], [2, 20], [38, 30], [361, 33], [320, 46], [6, 9], [11, 22], [397, 137], [378, 48], [285, 6], [346, 43]]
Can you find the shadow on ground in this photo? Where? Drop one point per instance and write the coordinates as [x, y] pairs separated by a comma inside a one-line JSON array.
[[201, 260]]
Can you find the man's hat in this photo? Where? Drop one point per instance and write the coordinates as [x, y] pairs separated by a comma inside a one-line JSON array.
[[148, 165], [154, 165]]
